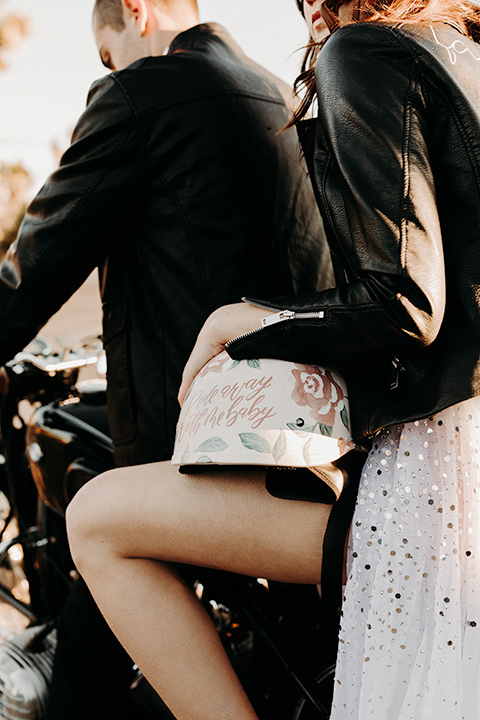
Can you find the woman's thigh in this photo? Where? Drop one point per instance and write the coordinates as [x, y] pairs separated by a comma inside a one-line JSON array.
[[222, 519]]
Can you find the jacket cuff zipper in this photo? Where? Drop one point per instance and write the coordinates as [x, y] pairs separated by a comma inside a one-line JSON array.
[[278, 317]]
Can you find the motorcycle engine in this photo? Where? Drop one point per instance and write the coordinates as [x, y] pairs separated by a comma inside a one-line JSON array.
[[26, 664]]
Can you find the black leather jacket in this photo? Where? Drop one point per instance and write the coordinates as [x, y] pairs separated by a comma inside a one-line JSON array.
[[397, 169], [179, 189]]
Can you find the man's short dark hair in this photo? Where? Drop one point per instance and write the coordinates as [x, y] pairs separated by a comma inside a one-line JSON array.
[[109, 12]]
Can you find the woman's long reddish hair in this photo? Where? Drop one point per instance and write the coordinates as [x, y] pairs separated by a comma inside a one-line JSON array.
[[461, 13]]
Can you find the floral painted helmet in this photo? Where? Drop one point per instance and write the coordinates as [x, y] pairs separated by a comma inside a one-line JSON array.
[[263, 412]]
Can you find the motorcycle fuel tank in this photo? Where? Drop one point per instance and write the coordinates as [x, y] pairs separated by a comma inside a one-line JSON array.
[[68, 443]]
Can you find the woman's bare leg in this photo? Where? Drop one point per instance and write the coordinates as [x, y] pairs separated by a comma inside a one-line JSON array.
[[127, 525]]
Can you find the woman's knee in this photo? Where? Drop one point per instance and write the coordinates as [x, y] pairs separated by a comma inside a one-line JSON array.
[[88, 518]]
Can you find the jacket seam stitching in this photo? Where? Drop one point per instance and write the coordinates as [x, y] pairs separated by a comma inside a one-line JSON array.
[[364, 307], [406, 176], [392, 32], [192, 236], [415, 55], [344, 261], [66, 223], [128, 97], [461, 130], [137, 118], [184, 99]]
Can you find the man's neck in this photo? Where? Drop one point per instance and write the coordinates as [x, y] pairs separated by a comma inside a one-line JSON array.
[[168, 27]]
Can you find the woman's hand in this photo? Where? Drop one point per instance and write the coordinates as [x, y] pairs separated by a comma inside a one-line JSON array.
[[226, 323]]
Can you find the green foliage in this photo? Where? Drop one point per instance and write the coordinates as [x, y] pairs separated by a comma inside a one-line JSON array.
[[254, 441], [214, 444], [280, 447]]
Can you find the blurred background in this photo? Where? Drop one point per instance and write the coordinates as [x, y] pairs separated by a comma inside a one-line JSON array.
[[48, 61]]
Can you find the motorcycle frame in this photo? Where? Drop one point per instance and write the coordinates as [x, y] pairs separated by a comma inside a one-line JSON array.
[[238, 592]]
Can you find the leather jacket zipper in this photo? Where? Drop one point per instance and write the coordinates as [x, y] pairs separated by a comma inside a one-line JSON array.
[[291, 315], [397, 369], [280, 316]]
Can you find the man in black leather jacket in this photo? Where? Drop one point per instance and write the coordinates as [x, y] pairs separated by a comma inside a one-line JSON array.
[[180, 189]]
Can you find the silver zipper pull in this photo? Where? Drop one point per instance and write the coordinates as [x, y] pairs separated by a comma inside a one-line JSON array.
[[277, 317], [397, 369]]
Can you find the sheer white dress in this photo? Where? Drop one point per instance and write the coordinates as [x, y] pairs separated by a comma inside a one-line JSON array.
[[410, 639]]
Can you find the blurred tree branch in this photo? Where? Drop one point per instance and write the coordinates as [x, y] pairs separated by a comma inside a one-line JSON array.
[[14, 184], [14, 179], [13, 28]]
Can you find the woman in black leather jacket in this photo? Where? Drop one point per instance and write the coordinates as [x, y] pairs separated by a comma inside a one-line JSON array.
[[397, 173]]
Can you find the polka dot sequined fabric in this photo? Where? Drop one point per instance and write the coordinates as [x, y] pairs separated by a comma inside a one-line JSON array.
[[410, 638]]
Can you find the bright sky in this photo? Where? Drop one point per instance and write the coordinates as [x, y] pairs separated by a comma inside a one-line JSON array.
[[45, 87]]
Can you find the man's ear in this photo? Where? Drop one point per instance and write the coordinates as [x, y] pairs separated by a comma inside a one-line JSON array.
[[138, 10]]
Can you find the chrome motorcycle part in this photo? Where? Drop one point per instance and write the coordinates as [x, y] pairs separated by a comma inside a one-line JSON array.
[[304, 709], [26, 664]]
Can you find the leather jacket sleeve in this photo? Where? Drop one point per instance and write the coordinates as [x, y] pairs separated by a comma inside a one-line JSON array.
[[377, 196], [75, 217]]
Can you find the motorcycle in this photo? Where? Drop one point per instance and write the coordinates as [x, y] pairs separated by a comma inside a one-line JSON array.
[[54, 438]]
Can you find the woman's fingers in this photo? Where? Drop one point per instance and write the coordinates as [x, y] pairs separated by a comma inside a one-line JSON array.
[[210, 341], [226, 323], [201, 354]]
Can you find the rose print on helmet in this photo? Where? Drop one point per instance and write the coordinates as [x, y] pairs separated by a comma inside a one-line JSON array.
[[318, 389], [246, 412]]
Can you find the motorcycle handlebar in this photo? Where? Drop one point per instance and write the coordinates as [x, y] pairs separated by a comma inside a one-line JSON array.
[[50, 364], [46, 365]]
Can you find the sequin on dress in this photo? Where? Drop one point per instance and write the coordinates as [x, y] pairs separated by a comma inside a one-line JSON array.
[[410, 639]]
